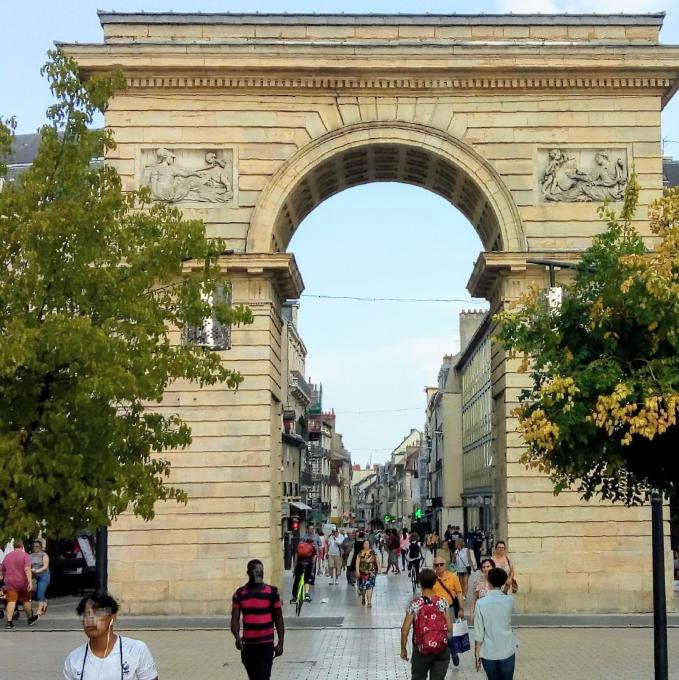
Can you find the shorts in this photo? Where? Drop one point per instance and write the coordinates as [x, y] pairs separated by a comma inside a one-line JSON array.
[[335, 561], [22, 596]]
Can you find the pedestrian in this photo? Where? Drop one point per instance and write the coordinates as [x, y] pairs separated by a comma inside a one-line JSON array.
[[392, 545], [335, 541], [18, 583], [503, 561], [482, 585], [495, 644], [415, 557], [345, 548], [40, 568], [465, 562], [356, 548], [477, 543], [449, 588], [449, 540], [107, 655], [304, 568], [261, 609], [321, 547], [404, 545], [429, 617], [433, 543], [368, 566]]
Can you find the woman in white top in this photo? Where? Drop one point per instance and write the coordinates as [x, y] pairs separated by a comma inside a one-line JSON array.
[[106, 655], [465, 563], [495, 644]]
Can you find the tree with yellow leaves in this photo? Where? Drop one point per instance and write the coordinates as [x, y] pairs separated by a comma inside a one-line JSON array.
[[601, 415]]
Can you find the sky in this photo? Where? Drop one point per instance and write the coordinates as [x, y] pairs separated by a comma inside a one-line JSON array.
[[377, 240]]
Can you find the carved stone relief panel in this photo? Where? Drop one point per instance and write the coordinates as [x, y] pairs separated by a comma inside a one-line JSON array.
[[577, 175], [202, 176]]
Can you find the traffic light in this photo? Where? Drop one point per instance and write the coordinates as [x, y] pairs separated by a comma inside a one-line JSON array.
[[418, 513], [388, 519], [293, 523]]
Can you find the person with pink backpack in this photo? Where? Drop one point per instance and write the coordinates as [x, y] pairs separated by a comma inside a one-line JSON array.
[[429, 616]]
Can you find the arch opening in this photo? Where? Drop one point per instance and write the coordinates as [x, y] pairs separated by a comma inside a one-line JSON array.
[[391, 163], [386, 152]]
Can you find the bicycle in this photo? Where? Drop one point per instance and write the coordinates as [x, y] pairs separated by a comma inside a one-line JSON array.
[[300, 595], [414, 573]]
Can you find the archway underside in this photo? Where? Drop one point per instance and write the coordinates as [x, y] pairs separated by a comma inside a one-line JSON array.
[[381, 162]]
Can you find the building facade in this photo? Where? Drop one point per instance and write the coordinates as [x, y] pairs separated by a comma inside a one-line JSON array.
[[280, 112]]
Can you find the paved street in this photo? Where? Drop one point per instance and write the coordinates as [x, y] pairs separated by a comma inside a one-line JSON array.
[[337, 640]]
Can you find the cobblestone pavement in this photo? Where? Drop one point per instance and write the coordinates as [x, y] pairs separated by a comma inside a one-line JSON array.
[[340, 640]]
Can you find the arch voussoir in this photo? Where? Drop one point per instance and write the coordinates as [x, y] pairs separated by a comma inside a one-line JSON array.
[[267, 227]]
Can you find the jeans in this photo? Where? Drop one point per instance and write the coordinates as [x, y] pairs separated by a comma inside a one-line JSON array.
[[499, 669], [433, 666], [258, 660], [42, 581]]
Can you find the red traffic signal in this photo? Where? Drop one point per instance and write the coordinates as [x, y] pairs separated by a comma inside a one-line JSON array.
[[294, 523]]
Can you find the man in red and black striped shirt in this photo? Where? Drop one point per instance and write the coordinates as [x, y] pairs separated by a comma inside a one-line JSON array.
[[260, 606]]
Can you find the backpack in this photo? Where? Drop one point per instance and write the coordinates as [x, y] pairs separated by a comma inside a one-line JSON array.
[[305, 551], [431, 633], [414, 551]]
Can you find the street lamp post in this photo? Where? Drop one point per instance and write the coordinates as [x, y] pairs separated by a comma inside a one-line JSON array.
[[657, 533], [659, 601], [102, 560]]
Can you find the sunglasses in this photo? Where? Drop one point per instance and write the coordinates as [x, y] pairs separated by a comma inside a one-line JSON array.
[[439, 564]]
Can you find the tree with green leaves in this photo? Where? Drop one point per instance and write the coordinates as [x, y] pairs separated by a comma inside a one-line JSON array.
[[601, 413], [92, 282]]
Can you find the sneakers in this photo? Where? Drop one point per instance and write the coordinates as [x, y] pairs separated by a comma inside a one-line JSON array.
[[456, 659], [307, 598], [9, 624], [32, 619]]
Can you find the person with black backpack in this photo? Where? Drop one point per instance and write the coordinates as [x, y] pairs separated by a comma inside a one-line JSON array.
[[429, 617]]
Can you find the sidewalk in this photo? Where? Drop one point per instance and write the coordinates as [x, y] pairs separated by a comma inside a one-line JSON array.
[[337, 640]]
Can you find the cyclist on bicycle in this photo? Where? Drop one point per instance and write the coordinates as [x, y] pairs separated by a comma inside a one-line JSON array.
[[414, 558], [306, 552]]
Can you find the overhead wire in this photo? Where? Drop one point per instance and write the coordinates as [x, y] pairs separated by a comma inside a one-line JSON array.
[[359, 298]]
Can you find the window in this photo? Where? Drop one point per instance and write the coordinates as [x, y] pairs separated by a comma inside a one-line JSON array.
[[211, 334]]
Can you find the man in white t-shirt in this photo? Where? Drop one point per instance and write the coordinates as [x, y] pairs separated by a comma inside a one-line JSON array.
[[335, 555], [106, 655]]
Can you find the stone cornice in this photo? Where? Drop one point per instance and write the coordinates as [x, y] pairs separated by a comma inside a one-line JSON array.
[[490, 265], [380, 19], [281, 266], [395, 68]]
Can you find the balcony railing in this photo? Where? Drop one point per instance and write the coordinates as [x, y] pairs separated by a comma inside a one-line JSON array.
[[300, 387], [316, 451], [306, 479], [211, 334]]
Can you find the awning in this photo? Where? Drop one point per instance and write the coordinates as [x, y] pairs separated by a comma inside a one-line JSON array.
[[299, 505]]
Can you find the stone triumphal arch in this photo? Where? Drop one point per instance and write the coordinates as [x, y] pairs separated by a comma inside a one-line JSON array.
[[525, 123]]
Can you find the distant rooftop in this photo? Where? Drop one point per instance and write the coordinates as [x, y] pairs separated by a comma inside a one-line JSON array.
[[654, 19]]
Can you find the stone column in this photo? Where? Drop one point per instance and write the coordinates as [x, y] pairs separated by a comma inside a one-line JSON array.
[[189, 559], [569, 555]]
